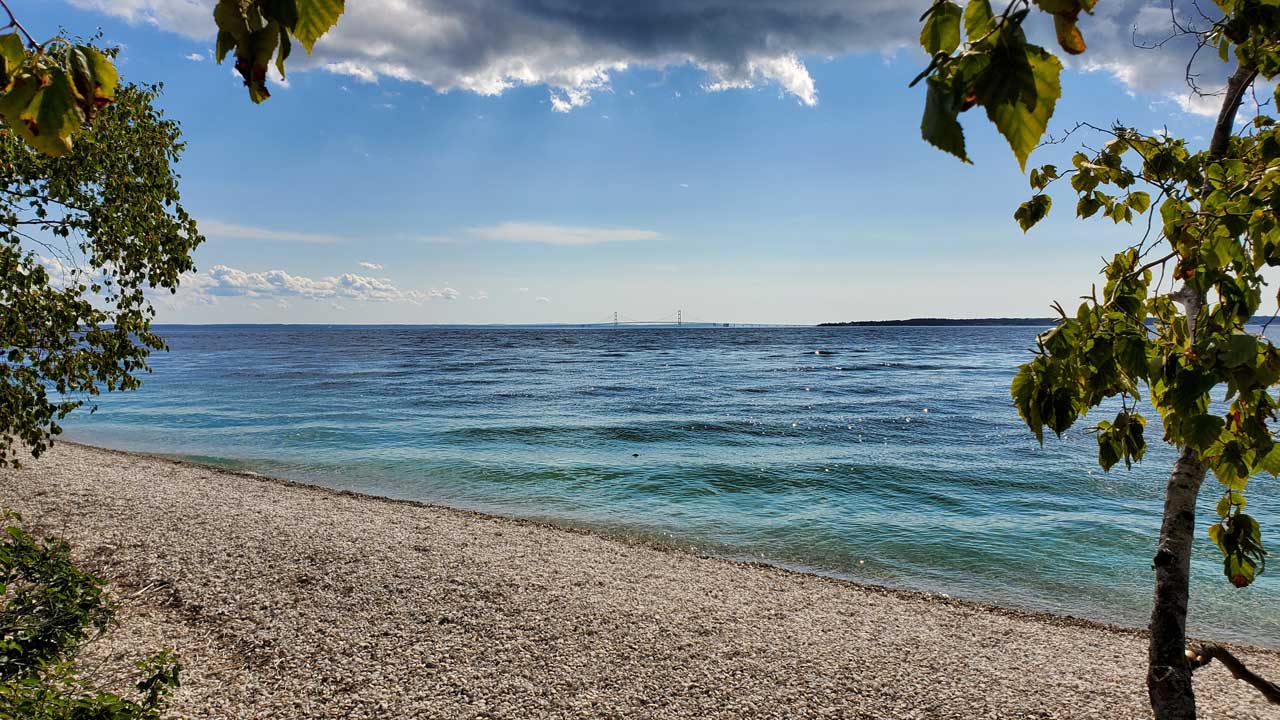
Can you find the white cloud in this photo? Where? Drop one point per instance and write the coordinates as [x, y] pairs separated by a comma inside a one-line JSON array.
[[221, 281], [480, 295], [62, 274], [542, 233], [522, 290], [370, 265], [786, 71], [542, 299], [275, 78], [193, 18], [575, 47], [194, 57], [216, 228]]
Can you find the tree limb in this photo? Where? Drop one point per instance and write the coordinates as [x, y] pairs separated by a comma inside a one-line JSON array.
[[1202, 655], [1239, 82]]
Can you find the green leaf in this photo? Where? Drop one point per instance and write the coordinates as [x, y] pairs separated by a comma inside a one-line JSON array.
[[1241, 349], [12, 55], [14, 104], [315, 18], [230, 19], [1024, 389], [286, 47], [1057, 6], [57, 116], [978, 19], [1270, 463], [1023, 117], [1088, 206], [1203, 431], [939, 125], [1139, 201], [1239, 569], [1215, 534], [1229, 500], [226, 43], [1108, 452], [284, 12], [1032, 211]]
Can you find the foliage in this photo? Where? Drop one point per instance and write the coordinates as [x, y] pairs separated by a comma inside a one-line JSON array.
[[258, 30], [1215, 208], [51, 91], [1015, 82], [51, 609], [1214, 213], [105, 218]]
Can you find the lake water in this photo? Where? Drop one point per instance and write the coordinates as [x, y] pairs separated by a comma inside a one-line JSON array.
[[889, 455]]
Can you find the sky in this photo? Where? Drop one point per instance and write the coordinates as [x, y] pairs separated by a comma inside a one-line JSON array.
[[536, 161]]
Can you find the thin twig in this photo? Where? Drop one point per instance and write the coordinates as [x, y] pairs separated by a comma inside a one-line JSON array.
[[13, 23]]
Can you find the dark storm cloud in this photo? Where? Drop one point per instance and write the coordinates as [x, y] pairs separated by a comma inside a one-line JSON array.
[[573, 47]]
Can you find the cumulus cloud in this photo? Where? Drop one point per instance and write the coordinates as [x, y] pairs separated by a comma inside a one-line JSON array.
[[221, 281], [370, 265], [62, 274], [194, 57], [575, 47], [192, 18], [216, 228], [480, 295], [1133, 42], [546, 234], [542, 299]]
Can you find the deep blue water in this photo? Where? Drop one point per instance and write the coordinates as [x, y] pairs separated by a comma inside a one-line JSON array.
[[894, 458]]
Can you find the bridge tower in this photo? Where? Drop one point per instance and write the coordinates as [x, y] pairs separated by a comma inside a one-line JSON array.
[[679, 318], [615, 318]]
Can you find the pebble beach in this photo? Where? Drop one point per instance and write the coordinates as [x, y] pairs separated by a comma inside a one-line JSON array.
[[289, 601]]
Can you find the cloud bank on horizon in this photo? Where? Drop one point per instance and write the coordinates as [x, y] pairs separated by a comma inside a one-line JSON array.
[[574, 47]]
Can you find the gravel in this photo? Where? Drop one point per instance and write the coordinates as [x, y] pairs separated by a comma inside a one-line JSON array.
[[288, 601]]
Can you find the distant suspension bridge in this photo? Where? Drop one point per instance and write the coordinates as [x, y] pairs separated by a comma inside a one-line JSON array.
[[675, 319]]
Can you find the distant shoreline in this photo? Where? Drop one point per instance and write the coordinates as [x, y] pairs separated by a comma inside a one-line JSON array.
[[975, 322], [943, 322]]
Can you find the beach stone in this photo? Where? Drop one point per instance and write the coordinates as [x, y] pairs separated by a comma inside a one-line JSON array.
[[287, 601]]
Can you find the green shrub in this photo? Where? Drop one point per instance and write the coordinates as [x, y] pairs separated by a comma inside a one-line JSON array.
[[51, 609]]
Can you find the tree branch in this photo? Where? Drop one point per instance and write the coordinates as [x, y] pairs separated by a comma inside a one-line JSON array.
[[1241, 80], [13, 23], [1208, 652]]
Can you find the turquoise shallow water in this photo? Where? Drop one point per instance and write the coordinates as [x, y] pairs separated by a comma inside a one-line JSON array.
[[886, 455]]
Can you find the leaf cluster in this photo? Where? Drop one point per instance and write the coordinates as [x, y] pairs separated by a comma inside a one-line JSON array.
[[1214, 220], [995, 68], [1239, 538], [49, 92], [85, 239], [256, 31], [51, 609]]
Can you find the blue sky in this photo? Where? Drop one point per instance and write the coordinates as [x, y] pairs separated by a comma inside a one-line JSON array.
[[791, 201]]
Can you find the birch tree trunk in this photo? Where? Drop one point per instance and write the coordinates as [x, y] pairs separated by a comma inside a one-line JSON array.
[[1168, 668]]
